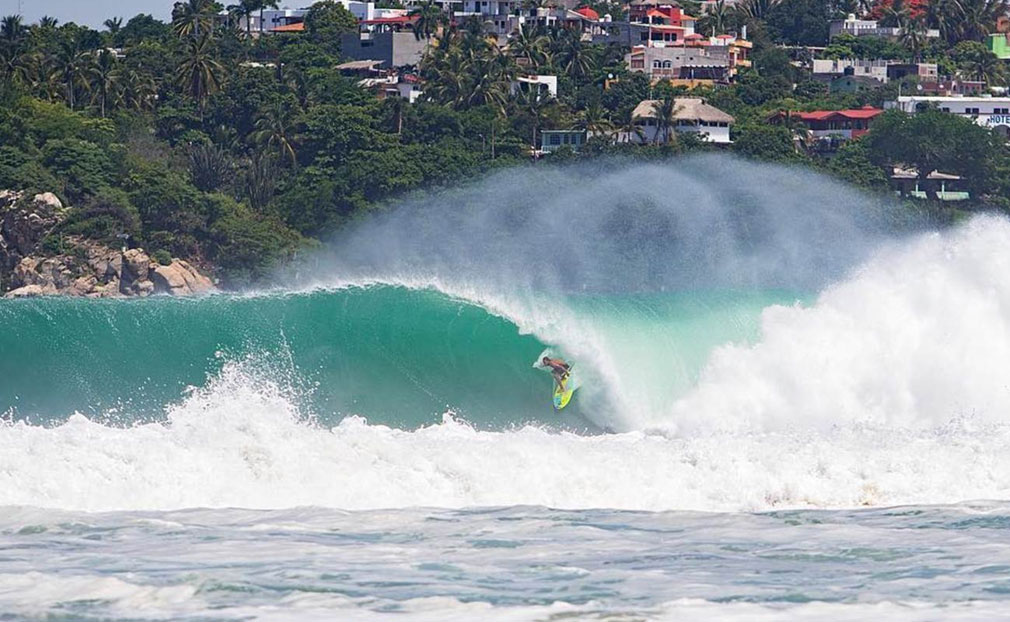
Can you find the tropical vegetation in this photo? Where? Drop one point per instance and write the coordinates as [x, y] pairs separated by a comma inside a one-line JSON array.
[[198, 139]]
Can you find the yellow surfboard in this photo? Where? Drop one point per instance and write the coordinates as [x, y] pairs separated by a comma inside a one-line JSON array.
[[561, 398]]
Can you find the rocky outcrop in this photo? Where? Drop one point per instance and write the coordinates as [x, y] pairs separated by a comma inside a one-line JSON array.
[[24, 223], [84, 267], [179, 279]]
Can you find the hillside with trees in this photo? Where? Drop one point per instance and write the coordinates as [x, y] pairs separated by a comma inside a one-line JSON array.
[[197, 140]]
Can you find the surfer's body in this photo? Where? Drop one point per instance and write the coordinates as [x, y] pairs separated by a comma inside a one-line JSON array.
[[559, 369]]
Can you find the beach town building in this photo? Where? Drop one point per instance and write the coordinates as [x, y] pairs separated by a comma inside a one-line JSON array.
[[881, 70], [292, 20], [545, 86], [990, 112], [853, 84], [389, 40], [857, 27], [552, 140], [826, 130], [681, 65], [664, 45], [944, 186], [691, 115]]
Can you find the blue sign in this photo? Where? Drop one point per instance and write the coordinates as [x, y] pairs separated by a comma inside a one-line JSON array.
[[998, 119]]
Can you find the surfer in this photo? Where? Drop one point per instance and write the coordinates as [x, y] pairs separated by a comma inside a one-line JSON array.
[[559, 369]]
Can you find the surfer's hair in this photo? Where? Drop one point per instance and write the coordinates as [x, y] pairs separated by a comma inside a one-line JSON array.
[[546, 358]]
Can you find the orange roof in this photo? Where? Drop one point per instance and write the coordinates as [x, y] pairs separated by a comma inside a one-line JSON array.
[[588, 13], [298, 27]]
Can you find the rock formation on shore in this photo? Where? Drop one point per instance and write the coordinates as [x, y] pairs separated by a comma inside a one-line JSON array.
[[82, 267]]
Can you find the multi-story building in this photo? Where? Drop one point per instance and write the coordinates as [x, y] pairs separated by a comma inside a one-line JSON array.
[[696, 60], [830, 69], [990, 112], [286, 19], [686, 66], [851, 25], [389, 40]]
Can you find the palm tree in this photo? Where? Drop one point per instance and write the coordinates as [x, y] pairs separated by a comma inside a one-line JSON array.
[[944, 15], [12, 31], [244, 10], [594, 120], [104, 74], [138, 90], [70, 68], [274, 132], [531, 102], [397, 106], [756, 9], [428, 18], [978, 17], [48, 22], [113, 25], [665, 113], [199, 74], [573, 56], [913, 36], [530, 44], [12, 38], [492, 79], [193, 17], [716, 18], [263, 5]]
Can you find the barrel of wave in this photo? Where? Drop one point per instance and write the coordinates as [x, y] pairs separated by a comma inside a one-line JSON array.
[[396, 356]]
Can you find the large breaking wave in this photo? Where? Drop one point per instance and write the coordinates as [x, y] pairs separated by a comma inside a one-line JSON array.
[[738, 348]]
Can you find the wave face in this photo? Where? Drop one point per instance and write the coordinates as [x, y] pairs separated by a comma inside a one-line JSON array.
[[397, 356]]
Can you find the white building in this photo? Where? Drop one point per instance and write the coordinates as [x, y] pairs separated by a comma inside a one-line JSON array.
[[990, 112], [692, 115], [269, 19], [876, 69], [540, 83], [868, 28]]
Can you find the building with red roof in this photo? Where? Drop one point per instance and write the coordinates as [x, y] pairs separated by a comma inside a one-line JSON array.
[[588, 13], [834, 126]]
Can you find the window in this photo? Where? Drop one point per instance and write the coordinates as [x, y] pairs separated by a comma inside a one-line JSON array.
[[971, 110], [554, 139]]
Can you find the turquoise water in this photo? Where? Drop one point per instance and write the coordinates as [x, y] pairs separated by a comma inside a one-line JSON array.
[[394, 355]]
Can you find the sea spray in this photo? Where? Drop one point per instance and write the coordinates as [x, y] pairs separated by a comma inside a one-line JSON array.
[[916, 337]]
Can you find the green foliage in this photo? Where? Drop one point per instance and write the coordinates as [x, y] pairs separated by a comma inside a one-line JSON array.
[[244, 245], [932, 140], [765, 142], [103, 217], [235, 150], [162, 256], [326, 22], [84, 166], [852, 164], [800, 22]]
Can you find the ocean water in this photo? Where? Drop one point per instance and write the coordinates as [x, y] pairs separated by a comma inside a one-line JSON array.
[[788, 409]]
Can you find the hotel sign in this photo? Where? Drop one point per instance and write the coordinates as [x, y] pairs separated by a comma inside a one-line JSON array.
[[998, 119]]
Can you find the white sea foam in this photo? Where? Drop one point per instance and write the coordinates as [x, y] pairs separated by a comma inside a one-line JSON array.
[[916, 337], [240, 443]]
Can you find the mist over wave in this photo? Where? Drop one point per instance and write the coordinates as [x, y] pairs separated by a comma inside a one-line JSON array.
[[704, 222]]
